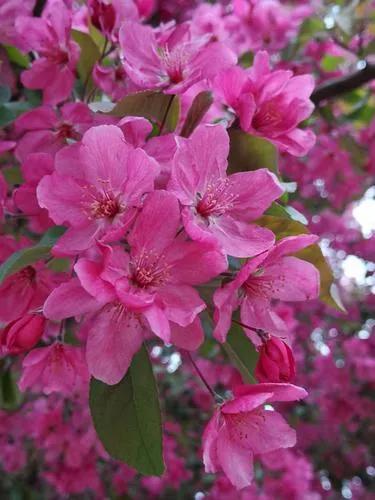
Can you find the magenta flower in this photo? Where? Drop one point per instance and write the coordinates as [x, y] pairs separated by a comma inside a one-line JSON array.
[[272, 275], [148, 289], [56, 368], [49, 36], [174, 61], [44, 130], [276, 362], [10, 10], [270, 104], [242, 428], [96, 188], [22, 334], [33, 169], [217, 207]]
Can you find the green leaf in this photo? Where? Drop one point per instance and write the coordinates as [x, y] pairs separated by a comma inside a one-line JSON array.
[[5, 94], [282, 228], [331, 63], [27, 256], [248, 152], [151, 105], [127, 417], [16, 57], [10, 110], [310, 27], [10, 396], [89, 55], [246, 59], [241, 352], [198, 109]]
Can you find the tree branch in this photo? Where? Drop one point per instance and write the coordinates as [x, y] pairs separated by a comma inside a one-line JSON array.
[[338, 86]]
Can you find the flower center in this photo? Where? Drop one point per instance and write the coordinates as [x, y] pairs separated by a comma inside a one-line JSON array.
[[149, 269], [105, 207], [267, 116], [174, 63], [217, 199]]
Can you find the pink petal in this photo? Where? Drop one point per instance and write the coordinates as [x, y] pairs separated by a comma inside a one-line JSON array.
[[255, 191], [68, 300], [236, 462], [261, 431], [240, 239], [150, 230], [293, 279], [113, 339], [158, 322], [188, 337]]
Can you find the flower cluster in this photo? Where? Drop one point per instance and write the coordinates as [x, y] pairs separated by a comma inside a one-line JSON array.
[[143, 216]]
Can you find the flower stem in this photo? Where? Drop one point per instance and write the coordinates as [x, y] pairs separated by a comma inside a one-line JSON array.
[[166, 114], [201, 376]]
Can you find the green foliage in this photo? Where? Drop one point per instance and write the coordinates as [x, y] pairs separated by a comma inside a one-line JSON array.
[[331, 63], [152, 105], [241, 352], [198, 109], [10, 396], [248, 152], [28, 256], [89, 55], [127, 417]]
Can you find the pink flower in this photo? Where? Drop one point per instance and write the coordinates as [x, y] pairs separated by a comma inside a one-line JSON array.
[[91, 194], [22, 334], [10, 10], [242, 428], [148, 289], [24, 291], [270, 104], [217, 207], [272, 275], [108, 16], [36, 166], [173, 62], [56, 368], [45, 130], [49, 36], [276, 362]]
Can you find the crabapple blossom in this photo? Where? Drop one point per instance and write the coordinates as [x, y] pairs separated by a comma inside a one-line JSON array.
[[275, 274], [91, 194], [270, 104], [218, 207], [276, 362], [173, 62], [49, 36], [241, 428]]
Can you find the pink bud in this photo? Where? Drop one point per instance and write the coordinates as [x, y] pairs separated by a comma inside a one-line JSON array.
[[276, 362], [22, 334]]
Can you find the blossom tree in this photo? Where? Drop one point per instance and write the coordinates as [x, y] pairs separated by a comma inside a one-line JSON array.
[[185, 190]]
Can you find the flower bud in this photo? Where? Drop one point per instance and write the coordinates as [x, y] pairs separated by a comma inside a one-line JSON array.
[[22, 334], [276, 362]]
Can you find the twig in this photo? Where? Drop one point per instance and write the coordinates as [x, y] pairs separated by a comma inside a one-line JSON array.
[[337, 86]]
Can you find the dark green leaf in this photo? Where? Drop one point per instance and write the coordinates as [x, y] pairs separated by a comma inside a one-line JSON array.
[[198, 109], [16, 57], [89, 55], [127, 417], [5, 94], [241, 352], [10, 396], [27, 256], [248, 152], [151, 105]]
